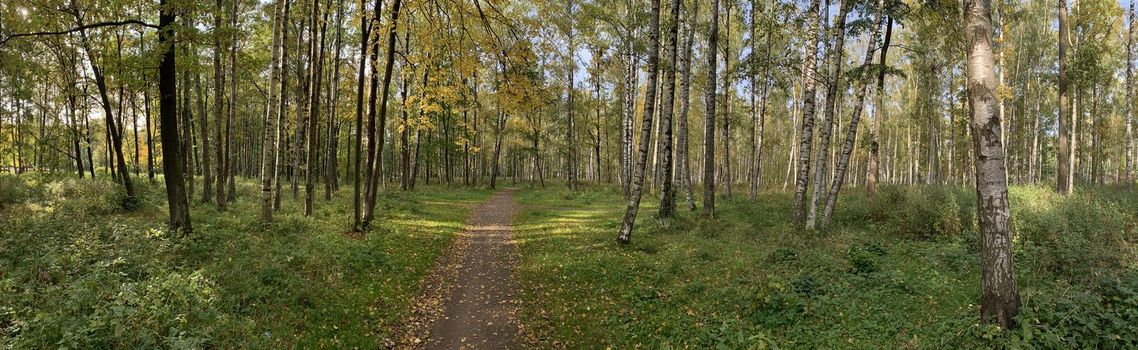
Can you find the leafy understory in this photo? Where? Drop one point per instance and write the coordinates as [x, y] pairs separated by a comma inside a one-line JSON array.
[[78, 272], [901, 272]]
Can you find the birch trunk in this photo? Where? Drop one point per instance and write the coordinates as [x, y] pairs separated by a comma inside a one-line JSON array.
[[999, 299], [646, 127], [667, 102], [709, 117], [683, 159], [855, 118], [268, 133], [810, 57], [832, 91]]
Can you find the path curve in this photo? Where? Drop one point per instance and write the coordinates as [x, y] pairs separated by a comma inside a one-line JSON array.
[[470, 301]]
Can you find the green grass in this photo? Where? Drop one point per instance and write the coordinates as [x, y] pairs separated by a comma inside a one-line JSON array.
[[898, 272], [77, 273]]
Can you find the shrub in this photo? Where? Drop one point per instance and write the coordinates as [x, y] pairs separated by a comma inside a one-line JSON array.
[[13, 190], [1074, 237], [919, 213], [863, 258], [779, 304], [1079, 319], [84, 197]]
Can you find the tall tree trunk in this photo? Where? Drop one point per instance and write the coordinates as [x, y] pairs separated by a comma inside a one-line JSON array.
[[419, 130], [499, 129], [134, 129], [1094, 157], [752, 173], [728, 92], [667, 101], [1064, 178], [218, 105], [316, 67], [231, 193], [570, 130], [149, 135], [646, 128], [404, 133], [377, 145], [167, 109], [810, 57], [683, 158], [112, 129], [1129, 117], [597, 136], [268, 133], [833, 90], [207, 170], [855, 118], [331, 170], [187, 141], [709, 116], [999, 299], [630, 93], [282, 110], [365, 30], [301, 123], [878, 115], [73, 120]]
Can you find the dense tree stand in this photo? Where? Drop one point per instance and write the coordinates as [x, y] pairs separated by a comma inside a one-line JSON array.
[[477, 158]]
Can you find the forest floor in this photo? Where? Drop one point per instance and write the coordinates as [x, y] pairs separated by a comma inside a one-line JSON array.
[[898, 271], [540, 268], [77, 271], [470, 300]]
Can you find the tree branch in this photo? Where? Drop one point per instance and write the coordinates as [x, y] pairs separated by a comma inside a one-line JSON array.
[[80, 28]]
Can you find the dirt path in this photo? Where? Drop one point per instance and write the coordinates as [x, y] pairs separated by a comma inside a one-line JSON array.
[[470, 301]]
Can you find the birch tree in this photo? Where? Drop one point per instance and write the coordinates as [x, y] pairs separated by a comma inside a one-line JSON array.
[[999, 299]]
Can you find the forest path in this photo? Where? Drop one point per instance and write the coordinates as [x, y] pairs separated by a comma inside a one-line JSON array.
[[470, 301]]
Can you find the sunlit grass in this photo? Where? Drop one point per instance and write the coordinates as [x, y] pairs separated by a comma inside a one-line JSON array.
[[78, 276], [748, 278]]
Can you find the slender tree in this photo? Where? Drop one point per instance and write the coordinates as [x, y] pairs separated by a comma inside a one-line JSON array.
[[316, 55], [365, 30], [218, 105], [667, 103], [855, 118], [874, 162], [571, 61], [1129, 118], [168, 110], [646, 128], [810, 58], [709, 117], [683, 160], [833, 92], [999, 299], [268, 134], [373, 181], [1065, 177], [282, 109]]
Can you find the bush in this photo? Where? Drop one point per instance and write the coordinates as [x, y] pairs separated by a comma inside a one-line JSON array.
[[863, 258], [13, 190], [1075, 237], [1079, 319], [779, 304], [83, 197], [105, 311], [920, 213]]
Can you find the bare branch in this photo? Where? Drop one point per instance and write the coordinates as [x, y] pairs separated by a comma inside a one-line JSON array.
[[80, 28]]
